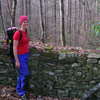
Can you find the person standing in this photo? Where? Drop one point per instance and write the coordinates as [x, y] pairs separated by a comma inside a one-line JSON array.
[[21, 55]]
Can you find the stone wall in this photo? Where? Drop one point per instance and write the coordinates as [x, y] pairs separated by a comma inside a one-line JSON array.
[[56, 74]]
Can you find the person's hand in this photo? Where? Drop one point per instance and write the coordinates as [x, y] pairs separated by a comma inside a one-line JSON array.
[[30, 44], [17, 64]]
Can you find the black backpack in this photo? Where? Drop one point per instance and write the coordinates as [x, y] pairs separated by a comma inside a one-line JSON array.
[[10, 33]]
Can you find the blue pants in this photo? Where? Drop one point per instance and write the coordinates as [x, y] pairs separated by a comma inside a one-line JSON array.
[[23, 75]]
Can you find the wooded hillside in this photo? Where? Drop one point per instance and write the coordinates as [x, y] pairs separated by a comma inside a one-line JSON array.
[[60, 22]]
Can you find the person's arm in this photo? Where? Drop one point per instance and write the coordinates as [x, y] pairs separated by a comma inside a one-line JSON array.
[[15, 44]]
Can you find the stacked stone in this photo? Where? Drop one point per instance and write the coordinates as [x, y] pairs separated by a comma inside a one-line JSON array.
[[56, 74]]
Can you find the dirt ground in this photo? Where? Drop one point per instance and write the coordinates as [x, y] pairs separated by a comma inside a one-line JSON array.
[[9, 93]]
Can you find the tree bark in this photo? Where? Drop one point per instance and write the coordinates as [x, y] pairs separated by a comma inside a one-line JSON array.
[[69, 21], [26, 7], [22, 7], [63, 23], [55, 22], [13, 12], [42, 22], [9, 8], [2, 21], [30, 15]]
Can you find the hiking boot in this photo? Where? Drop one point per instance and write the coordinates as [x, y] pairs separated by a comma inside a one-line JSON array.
[[24, 97]]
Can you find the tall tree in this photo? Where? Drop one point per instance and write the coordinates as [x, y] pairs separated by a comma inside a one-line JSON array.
[[2, 21], [29, 10], [26, 6], [9, 3], [42, 23], [22, 7], [70, 15], [13, 12], [63, 23], [55, 10]]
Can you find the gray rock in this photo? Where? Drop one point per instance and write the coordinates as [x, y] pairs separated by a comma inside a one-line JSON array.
[[79, 73], [99, 62], [91, 93], [92, 61], [75, 65], [94, 55], [1, 63], [62, 56]]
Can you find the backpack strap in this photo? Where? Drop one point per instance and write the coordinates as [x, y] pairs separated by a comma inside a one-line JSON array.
[[20, 35]]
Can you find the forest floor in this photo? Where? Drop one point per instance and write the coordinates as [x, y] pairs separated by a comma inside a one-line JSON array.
[[9, 93]]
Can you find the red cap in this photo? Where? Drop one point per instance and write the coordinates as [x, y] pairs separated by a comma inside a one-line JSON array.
[[22, 19]]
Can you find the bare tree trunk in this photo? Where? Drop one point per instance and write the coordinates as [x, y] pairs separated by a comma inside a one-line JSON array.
[[75, 25], [60, 22], [42, 21], [26, 7], [45, 18], [69, 20], [55, 22], [2, 21], [9, 8], [13, 12], [22, 7], [63, 23], [30, 15], [79, 22]]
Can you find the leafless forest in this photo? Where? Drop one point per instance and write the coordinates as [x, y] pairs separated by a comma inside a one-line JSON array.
[[60, 22]]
